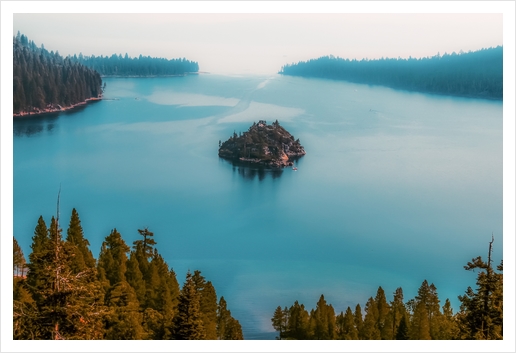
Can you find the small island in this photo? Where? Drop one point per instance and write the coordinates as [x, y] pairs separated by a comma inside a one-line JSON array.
[[262, 145]]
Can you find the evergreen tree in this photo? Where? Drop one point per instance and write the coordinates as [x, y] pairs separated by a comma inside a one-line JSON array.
[[345, 326], [279, 322], [83, 258], [228, 328], [208, 301], [324, 319], [19, 261], [188, 323], [67, 305], [419, 326], [383, 314], [370, 330], [427, 294], [124, 320], [134, 277], [481, 311], [447, 327], [359, 321], [402, 332], [113, 258], [397, 313], [298, 323]]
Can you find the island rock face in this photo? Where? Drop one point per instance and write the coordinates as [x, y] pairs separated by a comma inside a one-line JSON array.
[[264, 145]]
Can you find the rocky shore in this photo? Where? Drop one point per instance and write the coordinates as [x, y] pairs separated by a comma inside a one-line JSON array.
[[54, 108]]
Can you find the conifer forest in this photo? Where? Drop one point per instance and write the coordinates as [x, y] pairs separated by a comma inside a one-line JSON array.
[[126, 293]]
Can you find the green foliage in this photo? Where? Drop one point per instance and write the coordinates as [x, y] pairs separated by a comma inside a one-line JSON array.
[[113, 258], [188, 323], [474, 74], [82, 256], [44, 80], [64, 298], [481, 310], [208, 301], [345, 326], [116, 65], [370, 329], [19, 261], [279, 321], [228, 328], [298, 322], [402, 332]]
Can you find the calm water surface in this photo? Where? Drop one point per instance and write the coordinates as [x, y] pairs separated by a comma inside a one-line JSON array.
[[396, 187]]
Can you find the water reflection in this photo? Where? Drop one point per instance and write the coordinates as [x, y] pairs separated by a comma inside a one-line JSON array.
[[29, 126], [251, 173]]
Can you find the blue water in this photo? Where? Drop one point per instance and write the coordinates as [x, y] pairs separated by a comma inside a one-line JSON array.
[[396, 187]]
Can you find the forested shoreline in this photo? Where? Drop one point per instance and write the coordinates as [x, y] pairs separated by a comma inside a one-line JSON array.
[[421, 318], [63, 292], [142, 66], [46, 82], [477, 74]]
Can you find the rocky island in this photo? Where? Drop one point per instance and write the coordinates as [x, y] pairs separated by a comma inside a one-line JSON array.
[[262, 145]]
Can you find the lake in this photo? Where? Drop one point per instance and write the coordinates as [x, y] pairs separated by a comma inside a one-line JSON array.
[[396, 187]]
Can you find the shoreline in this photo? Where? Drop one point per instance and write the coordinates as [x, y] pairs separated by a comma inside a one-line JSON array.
[[51, 108], [152, 76]]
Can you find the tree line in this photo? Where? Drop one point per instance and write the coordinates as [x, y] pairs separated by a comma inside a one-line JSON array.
[[127, 293], [473, 74], [118, 65], [421, 318], [44, 80]]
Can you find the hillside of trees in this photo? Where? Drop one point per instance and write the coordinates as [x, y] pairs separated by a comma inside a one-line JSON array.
[[421, 318], [129, 293], [265, 145], [44, 81], [477, 74], [118, 65]]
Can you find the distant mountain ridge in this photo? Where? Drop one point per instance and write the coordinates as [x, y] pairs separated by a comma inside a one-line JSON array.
[[477, 74]]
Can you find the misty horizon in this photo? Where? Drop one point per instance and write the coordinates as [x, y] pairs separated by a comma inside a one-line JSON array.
[[261, 43]]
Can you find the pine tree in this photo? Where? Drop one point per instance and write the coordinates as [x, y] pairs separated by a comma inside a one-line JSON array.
[[359, 321], [324, 320], [402, 332], [113, 258], [298, 323], [427, 294], [345, 326], [419, 326], [447, 327], [135, 278], [208, 301], [19, 261], [67, 305], [481, 311], [397, 313], [83, 258], [383, 314], [370, 330], [279, 322], [124, 320], [228, 328], [188, 323]]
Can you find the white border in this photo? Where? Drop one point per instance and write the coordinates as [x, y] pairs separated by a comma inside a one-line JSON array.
[[508, 10]]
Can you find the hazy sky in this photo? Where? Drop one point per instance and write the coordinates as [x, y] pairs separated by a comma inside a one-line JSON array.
[[261, 43]]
